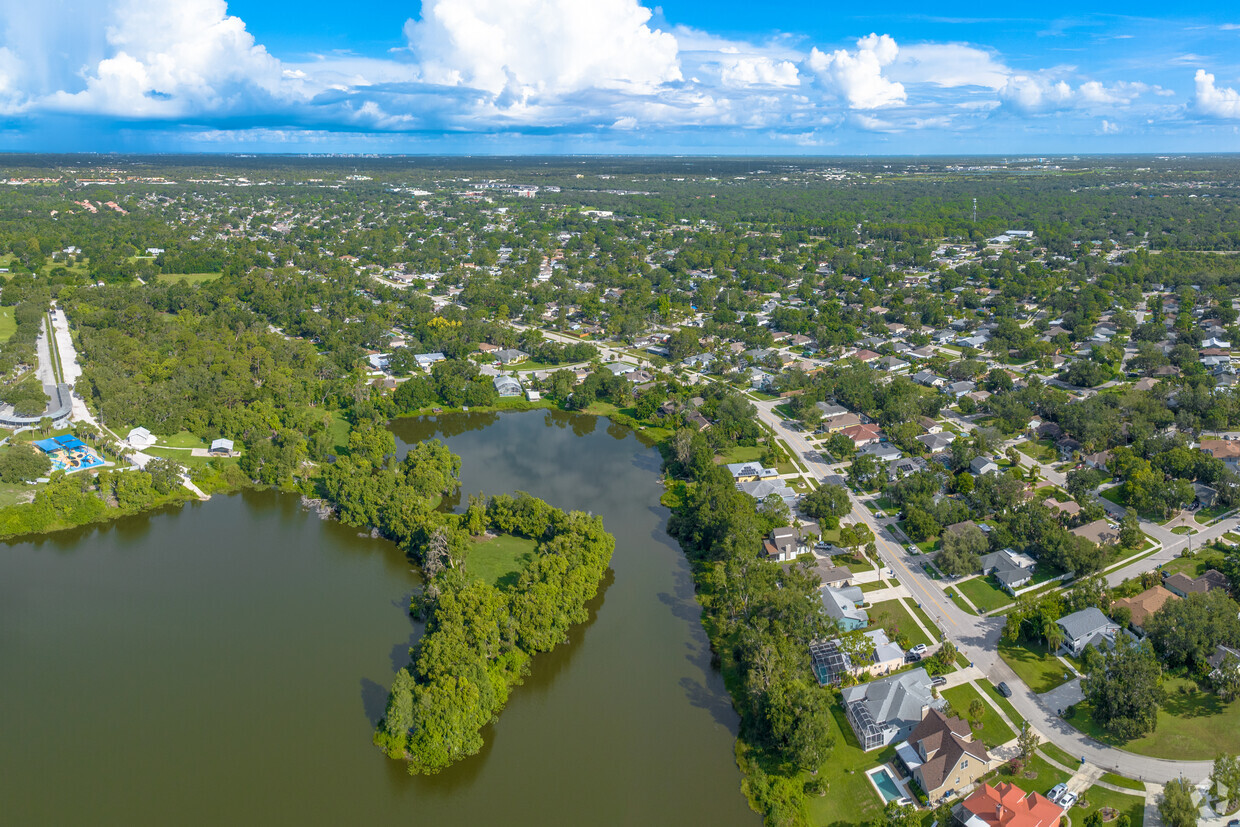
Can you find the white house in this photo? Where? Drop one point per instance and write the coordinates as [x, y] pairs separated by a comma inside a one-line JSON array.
[[140, 439]]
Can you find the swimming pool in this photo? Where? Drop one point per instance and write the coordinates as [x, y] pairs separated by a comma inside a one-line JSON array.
[[885, 782]]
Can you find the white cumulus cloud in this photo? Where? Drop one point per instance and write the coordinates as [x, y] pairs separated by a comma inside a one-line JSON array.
[[759, 71], [176, 59], [1212, 100], [950, 65], [858, 76], [514, 49]]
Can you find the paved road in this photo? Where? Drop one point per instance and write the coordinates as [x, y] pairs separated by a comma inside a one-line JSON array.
[[978, 638]]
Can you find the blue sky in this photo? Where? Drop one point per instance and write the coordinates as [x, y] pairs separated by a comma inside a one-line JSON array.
[[617, 76]]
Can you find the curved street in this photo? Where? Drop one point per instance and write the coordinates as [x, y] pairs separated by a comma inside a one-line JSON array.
[[978, 637]]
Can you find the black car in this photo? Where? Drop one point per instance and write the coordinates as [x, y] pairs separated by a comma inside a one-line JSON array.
[[1004, 689], [911, 657]]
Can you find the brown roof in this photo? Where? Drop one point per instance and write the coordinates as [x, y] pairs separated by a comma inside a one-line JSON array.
[[1212, 579], [1070, 507], [1221, 448], [1099, 532], [943, 741], [1145, 604]]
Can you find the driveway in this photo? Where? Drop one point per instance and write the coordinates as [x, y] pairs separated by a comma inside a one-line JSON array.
[[1062, 697]]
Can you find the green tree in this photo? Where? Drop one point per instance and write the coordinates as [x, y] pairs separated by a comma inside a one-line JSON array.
[[977, 709], [827, 502], [1225, 780], [1027, 742], [21, 462], [1125, 691], [1176, 807]]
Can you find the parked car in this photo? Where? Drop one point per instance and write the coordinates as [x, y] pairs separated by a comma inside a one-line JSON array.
[[1067, 800], [1057, 791], [938, 680], [1004, 689], [919, 649], [911, 657], [914, 550]]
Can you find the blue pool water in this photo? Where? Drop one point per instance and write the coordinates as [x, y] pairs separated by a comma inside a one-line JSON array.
[[886, 784]]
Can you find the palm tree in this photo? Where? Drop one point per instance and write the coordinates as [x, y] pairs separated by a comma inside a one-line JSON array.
[[45, 425], [1054, 635]]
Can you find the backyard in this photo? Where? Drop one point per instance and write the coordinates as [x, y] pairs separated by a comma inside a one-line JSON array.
[[850, 798]]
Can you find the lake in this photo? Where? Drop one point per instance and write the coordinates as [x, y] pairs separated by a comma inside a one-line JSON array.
[[225, 663]]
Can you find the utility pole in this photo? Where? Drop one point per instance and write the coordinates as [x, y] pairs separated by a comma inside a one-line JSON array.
[[974, 210]]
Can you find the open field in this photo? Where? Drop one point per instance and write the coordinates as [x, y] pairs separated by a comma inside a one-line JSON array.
[[500, 560], [1193, 725], [1035, 666], [8, 325], [984, 594], [192, 278]]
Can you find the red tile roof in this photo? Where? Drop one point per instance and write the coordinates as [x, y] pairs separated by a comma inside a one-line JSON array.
[[1007, 806]]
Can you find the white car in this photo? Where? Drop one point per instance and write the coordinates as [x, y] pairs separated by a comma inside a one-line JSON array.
[[1056, 792], [1067, 800], [919, 649]]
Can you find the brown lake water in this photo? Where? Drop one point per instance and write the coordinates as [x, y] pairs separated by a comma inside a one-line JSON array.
[[224, 663]]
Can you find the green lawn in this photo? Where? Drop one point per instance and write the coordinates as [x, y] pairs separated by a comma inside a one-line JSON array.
[[8, 325], [892, 616], [1120, 781], [192, 278], [1098, 797], [1040, 670], [874, 586], [1036, 776], [499, 561], [14, 494], [1004, 703], [954, 594], [850, 797], [339, 430], [1043, 450], [993, 731], [1195, 726], [984, 594], [1056, 754], [1196, 565], [921, 614], [183, 439], [182, 457], [742, 453]]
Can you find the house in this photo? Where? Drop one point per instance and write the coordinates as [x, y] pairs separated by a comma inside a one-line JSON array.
[[378, 361], [982, 465], [1088, 626], [942, 756], [1224, 657], [533, 395], [928, 379], [835, 423], [1205, 494], [425, 360], [829, 411], [1140, 607], [221, 447], [506, 386], [1006, 805], [1011, 568], [844, 606], [1182, 585], [750, 472], [904, 466], [929, 425], [959, 389], [937, 442], [887, 656], [862, 435], [882, 451], [761, 489], [508, 356], [783, 544], [140, 439], [1098, 461], [1223, 449], [620, 368], [1099, 532], [889, 709], [1068, 509], [1067, 447], [759, 379]]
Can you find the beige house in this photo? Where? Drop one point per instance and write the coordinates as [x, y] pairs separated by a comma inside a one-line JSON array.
[[943, 757]]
